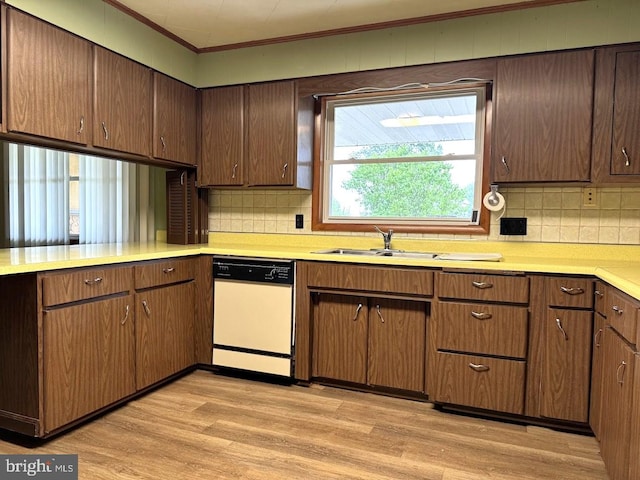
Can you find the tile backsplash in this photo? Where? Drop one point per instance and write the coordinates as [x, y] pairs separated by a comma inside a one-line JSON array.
[[554, 214]]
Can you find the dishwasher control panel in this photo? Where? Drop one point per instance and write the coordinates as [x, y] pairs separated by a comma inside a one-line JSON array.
[[254, 270]]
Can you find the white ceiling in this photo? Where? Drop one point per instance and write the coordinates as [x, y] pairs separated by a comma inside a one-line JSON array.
[[212, 24]]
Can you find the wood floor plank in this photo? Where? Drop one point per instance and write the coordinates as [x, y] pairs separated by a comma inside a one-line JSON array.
[[207, 426]]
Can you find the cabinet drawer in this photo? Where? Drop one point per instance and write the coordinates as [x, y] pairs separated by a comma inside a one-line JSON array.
[[481, 382], [83, 284], [491, 288], [623, 314], [569, 292], [481, 328], [600, 298], [153, 274], [412, 281]]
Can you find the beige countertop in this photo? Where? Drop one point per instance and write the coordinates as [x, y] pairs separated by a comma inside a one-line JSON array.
[[618, 265]]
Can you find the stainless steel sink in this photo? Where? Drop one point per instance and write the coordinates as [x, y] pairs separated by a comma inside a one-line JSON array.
[[378, 252], [381, 252]]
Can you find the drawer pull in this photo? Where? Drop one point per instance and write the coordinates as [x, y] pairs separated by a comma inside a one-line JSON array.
[[95, 281], [482, 285], [126, 316], [559, 325], [168, 270], [478, 367], [147, 310], [597, 337], [379, 313], [572, 290], [358, 308], [619, 377], [481, 315], [617, 309], [598, 293]]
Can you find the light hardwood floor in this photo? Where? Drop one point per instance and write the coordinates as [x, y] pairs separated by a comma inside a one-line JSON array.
[[206, 426]]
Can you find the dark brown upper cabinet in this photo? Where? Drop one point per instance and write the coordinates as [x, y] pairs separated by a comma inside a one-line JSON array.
[[257, 135], [616, 144], [122, 103], [48, 80], [174, 120], [222, 147], [543, 118]]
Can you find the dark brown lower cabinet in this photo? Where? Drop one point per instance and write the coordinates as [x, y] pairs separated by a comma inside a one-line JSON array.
[[397, 340], [340, 334], [164, 332], [619, 363], [597, 364], [89, 358], [373, 341], [565, 383]]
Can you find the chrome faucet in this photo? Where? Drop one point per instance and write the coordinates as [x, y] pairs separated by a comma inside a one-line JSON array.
[[385, 236]]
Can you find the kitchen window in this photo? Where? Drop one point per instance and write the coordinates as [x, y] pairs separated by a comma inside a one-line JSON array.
[[412, 160]]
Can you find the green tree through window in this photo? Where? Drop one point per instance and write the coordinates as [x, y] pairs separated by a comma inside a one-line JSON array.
[[407, 189]]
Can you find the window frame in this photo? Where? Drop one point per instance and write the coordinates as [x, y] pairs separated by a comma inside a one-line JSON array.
[[319, 220]]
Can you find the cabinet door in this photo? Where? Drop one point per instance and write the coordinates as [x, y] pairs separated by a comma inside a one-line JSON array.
[[625, 145], [397, 337], [89, 355], [566, 370], [174, 120], [164, 333], [543, 117], [340, 325], [122, 103], [223, 136], [617, 396], [272, 133], [48, 97], [596, 374]]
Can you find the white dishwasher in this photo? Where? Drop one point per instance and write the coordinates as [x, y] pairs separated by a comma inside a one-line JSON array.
[[253, 306]]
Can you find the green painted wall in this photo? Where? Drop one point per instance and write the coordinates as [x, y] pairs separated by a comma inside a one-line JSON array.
[[580, 24], [109, 27]]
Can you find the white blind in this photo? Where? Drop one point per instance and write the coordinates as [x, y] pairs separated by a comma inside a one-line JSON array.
[[38, 196], [116, 199]]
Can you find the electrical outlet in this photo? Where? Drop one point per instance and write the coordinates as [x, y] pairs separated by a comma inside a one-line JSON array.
[[589, 197], [299, 220]]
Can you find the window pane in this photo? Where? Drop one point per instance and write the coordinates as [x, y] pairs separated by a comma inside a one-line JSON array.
[[383, 127], [407, 190]]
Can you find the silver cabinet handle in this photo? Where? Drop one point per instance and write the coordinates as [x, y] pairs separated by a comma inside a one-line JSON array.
[[478, 367], [233, 171], [617, 309], [627, 160], [182, 175], [164, 145], [81, 129], [572, 290], [481, 315], [106, 132], [358, 308], [168, 270], [505, 165], [95, 281], [379, 313], [598, 293], [147, 310], [619, 377], [126, 316], [597, 337], [559, 325], [482, 285], [284, 169]]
